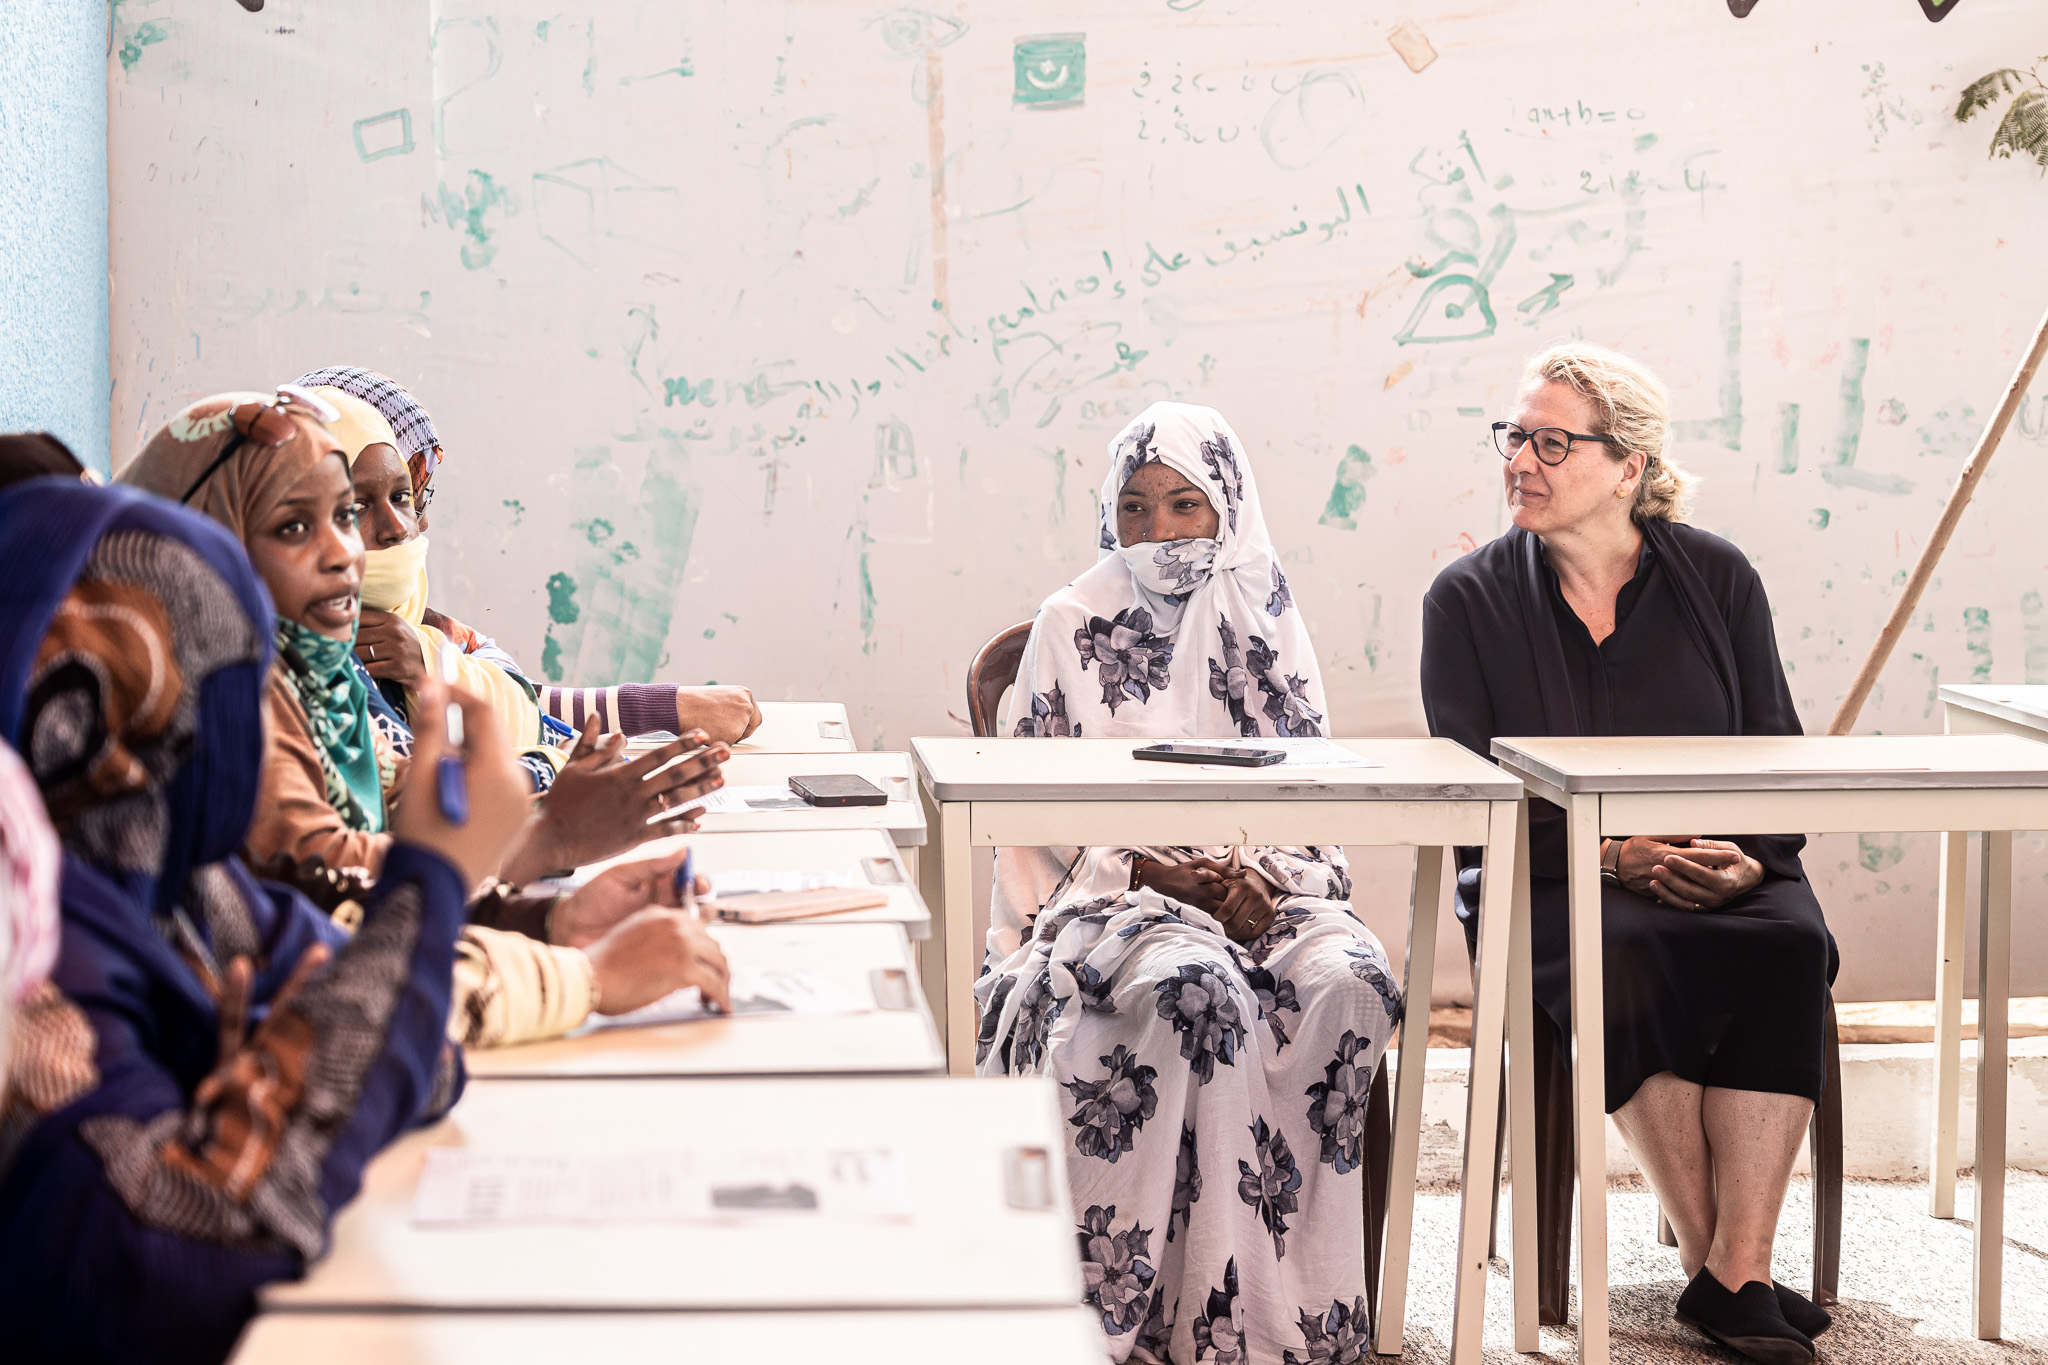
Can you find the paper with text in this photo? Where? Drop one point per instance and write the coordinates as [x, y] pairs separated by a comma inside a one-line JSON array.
[[460, 1187]]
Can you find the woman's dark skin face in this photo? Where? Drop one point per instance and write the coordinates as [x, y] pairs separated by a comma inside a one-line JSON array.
[[1159, 504], [310, 554], [384, 488]]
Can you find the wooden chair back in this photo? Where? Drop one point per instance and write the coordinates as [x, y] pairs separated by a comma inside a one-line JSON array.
[[993, 670]]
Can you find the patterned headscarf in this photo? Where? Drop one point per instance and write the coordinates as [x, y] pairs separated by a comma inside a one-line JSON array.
[[254, 479], [417, 440], [239, 494], [132, 683], [28, 882], [1122, 649]]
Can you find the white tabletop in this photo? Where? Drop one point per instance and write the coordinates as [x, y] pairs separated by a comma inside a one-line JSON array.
[[902, 818], [868, 854], [896, 1037], [995, 1336], [972, 769], [2021, 703], [1704, 763], [964, 1246], [799, 727]]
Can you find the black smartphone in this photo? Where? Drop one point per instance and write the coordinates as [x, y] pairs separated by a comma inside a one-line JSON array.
[[1210, 753], [838, 789]]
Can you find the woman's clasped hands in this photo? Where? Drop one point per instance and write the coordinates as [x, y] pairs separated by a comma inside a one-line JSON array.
[[1686, 872], [1235, 897]]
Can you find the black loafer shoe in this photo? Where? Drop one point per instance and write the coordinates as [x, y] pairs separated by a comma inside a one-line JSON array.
[[1747, 1320], [1801, 1312]]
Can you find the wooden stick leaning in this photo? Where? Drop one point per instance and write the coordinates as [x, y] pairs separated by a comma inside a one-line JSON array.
[[1930, 554]]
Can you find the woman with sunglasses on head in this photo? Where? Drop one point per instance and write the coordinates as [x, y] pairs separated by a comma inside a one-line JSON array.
[[1602, 613], [395, 490], [275, 475], [197, 1087]]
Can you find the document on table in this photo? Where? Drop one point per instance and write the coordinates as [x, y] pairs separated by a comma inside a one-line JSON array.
[[756, 992], [740, 800], [1309, 752], [757, 882], [460, 1187]]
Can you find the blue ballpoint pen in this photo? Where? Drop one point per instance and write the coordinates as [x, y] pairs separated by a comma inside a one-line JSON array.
[[451, 779]]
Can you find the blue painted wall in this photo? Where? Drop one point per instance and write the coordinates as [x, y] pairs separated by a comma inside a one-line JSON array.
[[53, 222]]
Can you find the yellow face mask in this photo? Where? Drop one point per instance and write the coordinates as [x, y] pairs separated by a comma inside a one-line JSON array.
[[395, 579]]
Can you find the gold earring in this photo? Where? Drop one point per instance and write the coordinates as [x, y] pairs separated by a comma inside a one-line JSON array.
[[1622, 491]]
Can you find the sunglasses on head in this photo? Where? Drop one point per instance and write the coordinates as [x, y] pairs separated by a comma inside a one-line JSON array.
[[267, 424]]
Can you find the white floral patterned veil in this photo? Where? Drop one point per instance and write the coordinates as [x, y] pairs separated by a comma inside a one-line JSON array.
[[1178, 639]]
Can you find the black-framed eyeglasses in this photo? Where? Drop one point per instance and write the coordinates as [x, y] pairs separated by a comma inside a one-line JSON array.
[[1552, 444], [421, 496]]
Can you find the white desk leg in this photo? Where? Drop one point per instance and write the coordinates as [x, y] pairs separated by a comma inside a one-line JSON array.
[[1482, 1089], [1994, 981], [1589, 1074], [1522, 1099], [945, 874], [1948, 1025], [1417, 972]]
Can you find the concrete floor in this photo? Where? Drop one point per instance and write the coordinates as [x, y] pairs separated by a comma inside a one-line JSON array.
[[1905, 1281]]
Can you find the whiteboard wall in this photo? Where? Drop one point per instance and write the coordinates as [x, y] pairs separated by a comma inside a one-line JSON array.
[[781, 342]]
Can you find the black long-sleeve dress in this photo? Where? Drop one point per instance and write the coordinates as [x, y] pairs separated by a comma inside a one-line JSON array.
[[1734, 997]]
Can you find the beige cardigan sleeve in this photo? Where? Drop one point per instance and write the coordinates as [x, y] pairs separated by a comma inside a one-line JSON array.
[[293, 819], [513, 989]]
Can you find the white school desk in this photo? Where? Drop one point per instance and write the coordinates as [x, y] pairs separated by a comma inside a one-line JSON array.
[[1972, 709], [867, 855], [996, 1336], [896, 1038], [965, 1245], [1764, 784], [901, 819], [787, 727], [799, 727], [1428, 793]]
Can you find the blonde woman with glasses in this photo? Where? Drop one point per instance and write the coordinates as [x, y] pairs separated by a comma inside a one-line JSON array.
[[1602, 613]]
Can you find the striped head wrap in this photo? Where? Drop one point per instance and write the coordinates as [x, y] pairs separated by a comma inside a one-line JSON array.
[[417, 439]]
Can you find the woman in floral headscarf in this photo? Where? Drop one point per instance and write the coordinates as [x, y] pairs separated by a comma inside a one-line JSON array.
[[1214, 1015]]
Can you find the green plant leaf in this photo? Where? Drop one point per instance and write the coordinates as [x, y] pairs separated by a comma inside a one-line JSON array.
[[1986, 91], [2024, 130]]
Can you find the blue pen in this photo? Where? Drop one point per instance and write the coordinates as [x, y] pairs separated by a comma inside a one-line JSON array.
[[686, 881], [451, 780]]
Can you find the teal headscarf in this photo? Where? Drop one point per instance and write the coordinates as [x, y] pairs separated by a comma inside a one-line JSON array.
[[322, 673]]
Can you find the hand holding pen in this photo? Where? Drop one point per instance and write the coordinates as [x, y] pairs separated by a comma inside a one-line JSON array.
[[496, 794]]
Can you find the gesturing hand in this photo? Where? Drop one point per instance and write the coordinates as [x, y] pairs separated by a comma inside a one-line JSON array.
[[590, 911], [654, 952], [600, 804], [1687, 873], [389, 648]]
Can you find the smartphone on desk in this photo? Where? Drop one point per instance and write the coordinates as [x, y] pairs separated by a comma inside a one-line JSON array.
[[1210, 753], [838, 789]]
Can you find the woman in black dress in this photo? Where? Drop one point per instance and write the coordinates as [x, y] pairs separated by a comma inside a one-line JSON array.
[[1602, 613]]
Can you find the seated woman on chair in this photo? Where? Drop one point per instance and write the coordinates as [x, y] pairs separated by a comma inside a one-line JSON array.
[[1602, 613], [1214, 1015]]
